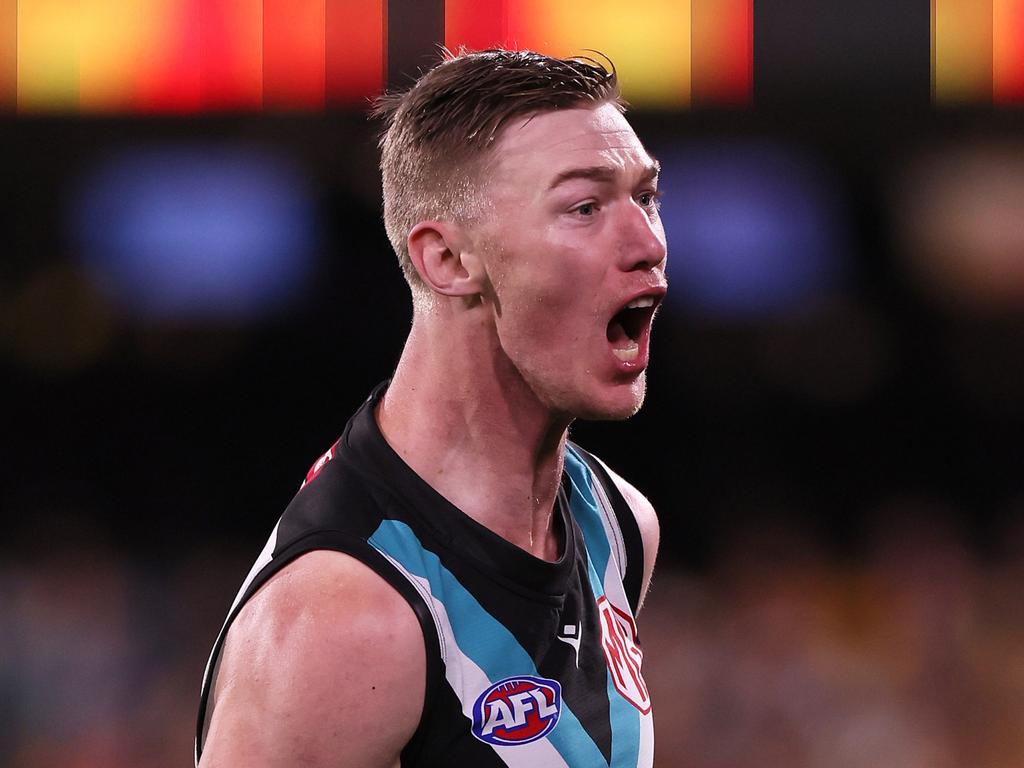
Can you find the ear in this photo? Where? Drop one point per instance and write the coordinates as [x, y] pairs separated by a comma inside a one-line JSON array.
[[438, 251]]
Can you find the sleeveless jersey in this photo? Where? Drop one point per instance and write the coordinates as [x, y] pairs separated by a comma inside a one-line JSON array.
[[530, 663]]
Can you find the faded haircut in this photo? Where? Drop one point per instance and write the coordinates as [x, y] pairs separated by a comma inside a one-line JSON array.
[[438, 134]]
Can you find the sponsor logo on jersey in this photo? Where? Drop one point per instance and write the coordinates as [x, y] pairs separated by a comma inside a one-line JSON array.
[[517, 710], [621, 650], [320, 463], [570, 635]]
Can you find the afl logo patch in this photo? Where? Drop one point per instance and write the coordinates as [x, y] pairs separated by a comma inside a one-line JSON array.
[[517, 710]]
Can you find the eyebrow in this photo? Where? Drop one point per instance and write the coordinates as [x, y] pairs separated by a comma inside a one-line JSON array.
[[601, 173]]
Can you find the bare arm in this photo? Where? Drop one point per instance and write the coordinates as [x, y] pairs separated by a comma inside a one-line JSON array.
[[324, 666], [647, 522]]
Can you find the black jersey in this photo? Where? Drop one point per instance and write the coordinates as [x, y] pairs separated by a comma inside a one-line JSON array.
[[529, 663]]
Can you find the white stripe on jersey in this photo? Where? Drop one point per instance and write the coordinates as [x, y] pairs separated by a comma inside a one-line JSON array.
[[612, 530]]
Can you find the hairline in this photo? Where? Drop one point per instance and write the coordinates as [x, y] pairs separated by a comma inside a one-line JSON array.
[[476, 164]]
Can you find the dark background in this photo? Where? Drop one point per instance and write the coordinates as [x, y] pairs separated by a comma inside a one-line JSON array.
[[169, 431]]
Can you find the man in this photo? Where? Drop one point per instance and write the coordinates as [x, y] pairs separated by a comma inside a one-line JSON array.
[[455, 582]]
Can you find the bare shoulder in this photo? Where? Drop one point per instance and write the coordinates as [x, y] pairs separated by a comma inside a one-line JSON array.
[[646, 520], [325, 665]]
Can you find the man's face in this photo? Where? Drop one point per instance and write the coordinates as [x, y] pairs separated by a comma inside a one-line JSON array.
[[573, 237]]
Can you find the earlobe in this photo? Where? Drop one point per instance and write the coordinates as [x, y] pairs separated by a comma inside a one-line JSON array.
[[437, 251]]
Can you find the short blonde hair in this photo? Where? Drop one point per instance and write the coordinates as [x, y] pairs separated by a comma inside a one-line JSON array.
[[438, 133]]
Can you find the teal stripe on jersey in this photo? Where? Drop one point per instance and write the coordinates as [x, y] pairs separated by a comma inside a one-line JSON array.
[[585, 510], [625, 718], [482, 638]]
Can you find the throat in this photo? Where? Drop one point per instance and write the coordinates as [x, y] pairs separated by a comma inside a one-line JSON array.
[[617, 335], [548, 543], [544, 535]]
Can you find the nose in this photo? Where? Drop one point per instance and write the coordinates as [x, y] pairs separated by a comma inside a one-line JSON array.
[[642, 245]]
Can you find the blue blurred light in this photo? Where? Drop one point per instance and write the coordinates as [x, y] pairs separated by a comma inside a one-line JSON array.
[[196, 233], [753, 229]]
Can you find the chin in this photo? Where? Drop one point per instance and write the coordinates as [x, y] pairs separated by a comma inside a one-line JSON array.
[[613, 402], [583, 396]]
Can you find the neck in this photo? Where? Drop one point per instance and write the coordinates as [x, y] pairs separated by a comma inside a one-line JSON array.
[[463, 419]]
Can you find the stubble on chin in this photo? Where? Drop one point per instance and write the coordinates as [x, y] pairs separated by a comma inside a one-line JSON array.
[[610, 414], [618, 408]]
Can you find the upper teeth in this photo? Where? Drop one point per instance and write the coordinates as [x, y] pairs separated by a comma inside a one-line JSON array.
[[645, 301]]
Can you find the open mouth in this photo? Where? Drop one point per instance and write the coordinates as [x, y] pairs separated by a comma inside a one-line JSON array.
[[629, 325]]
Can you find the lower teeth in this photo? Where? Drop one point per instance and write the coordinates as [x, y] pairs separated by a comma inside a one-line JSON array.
[[627, 353]]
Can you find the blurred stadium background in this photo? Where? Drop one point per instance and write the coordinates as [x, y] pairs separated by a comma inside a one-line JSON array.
[[196, 291]]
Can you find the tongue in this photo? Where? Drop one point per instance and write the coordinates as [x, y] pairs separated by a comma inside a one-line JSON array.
[[616, 333]]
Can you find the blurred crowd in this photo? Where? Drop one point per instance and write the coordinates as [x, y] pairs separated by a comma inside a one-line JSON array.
[[909, 655], [778, 653]]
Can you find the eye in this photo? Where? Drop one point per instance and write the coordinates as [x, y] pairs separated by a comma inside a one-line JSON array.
[[586, 209], [650, 199]]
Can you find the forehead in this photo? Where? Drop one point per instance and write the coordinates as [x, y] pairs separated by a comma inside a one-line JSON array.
[[547, 144]]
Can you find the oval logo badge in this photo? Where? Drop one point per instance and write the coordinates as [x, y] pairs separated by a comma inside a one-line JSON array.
[[517, 710]]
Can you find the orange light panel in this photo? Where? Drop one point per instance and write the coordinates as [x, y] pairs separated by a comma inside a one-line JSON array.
[[476, 24], [293, 53], [8, 55], [721, 57], [354, 54], [47, 55], [1008, 51], [673, 52], [961, 51]]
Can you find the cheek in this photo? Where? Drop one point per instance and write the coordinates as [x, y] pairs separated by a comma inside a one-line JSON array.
[[553, 304], [550, 329], [550, 271], [546, 289]]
